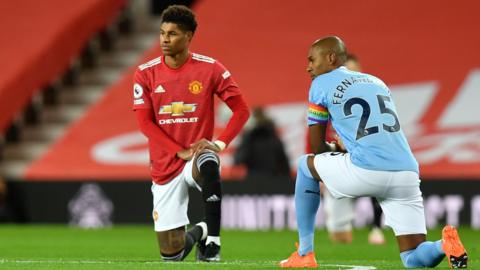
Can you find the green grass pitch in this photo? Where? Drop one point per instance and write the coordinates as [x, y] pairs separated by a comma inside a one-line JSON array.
[[134, 247]]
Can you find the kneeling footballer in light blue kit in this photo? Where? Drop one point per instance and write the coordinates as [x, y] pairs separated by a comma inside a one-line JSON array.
[[377, 163]]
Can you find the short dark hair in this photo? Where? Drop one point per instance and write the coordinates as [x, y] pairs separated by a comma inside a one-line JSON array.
[[180, 15]]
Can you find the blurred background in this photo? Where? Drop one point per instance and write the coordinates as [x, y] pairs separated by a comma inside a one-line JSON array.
[[71, 153]]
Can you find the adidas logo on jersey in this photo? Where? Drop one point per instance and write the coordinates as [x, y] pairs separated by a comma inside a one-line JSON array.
[[213, 198], [159, 89]]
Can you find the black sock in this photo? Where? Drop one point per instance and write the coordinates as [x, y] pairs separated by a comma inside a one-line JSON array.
[[192, 236], [212, 196], [377, 214]]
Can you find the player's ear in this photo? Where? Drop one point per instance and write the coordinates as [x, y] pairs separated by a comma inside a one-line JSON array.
[[332, 58], [189, 35]]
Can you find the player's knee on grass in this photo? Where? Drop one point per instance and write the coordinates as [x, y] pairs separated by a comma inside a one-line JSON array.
[[172, 244], [341, 237], [176, 257], [340, 214], [191, 237]]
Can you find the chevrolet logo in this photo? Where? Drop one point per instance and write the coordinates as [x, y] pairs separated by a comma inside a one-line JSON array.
[[177, 108]]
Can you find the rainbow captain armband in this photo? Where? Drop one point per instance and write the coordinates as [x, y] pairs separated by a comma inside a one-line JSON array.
[[317, 114]]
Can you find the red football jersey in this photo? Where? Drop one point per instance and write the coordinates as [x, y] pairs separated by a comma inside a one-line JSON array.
[[182, 100]]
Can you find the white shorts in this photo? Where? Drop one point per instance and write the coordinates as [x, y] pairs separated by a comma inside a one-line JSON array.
[[398, 192], [339, 213], [170, 201]]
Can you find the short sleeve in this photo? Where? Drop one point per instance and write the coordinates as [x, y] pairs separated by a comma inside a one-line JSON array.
[[225, 86], [141, 91], [317, 105]]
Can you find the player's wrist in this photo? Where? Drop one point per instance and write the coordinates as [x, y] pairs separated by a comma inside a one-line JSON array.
[[221, 145]]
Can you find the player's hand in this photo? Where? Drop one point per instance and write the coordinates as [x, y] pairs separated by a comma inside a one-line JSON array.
[[204, 144], [185, 154]]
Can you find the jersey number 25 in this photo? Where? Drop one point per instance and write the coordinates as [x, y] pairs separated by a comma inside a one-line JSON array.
[[362, 130]]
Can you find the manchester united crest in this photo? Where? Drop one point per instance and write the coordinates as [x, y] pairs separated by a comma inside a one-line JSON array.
[[195, 87]]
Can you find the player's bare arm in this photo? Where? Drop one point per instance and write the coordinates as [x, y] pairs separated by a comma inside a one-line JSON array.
[[317, 139]]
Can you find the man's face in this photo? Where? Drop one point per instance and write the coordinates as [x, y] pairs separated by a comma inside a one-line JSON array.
[[173, 40], [317, 62]]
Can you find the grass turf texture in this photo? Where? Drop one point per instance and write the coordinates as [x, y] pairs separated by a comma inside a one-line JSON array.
[[135, 247]]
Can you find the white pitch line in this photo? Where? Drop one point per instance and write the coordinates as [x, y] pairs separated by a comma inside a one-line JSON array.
[[353, 267], [3, 261], [256, 263]]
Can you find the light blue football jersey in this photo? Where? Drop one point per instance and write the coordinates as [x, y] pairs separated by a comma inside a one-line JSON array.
[[363, 114]]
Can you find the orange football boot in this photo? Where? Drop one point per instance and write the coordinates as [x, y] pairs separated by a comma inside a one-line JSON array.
[[453, 248], [297, 261]]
